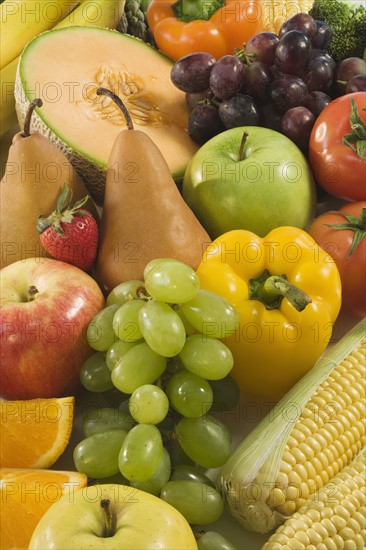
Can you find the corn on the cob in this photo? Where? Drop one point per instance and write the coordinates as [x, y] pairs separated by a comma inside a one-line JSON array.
[[311, 435], [276, 12], [334, 518]]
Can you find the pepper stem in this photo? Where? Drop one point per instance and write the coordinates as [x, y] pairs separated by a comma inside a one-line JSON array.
[[192, 10], [27, 121], [109, 530], [271, 289], [118, 101]]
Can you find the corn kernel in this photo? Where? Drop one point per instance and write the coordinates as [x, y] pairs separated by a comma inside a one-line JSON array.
[[330, 544], [349, 544], [339, 522], [302, 537]]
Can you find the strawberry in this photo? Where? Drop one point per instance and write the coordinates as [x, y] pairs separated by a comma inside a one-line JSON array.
[[70, 233]]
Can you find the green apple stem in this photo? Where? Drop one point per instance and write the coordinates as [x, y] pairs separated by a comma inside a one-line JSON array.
[[33, 104], [118, 101], [31, 293], [271, 289], [109, 529], [242, 145]]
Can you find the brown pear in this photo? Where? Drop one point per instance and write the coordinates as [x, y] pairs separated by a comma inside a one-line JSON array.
[[35, 173], [144, 215]]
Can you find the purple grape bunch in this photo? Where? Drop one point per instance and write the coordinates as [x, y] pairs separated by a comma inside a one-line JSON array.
[[280, 81]]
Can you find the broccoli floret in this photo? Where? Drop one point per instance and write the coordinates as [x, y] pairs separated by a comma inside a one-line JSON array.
[[348, 24]]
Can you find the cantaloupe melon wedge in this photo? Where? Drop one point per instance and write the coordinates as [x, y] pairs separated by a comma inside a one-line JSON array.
[[65, 67]]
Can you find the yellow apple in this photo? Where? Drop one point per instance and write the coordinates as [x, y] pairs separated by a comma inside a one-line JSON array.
[[110, 516]]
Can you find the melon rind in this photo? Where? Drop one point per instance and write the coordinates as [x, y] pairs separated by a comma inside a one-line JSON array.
[[90, 169]]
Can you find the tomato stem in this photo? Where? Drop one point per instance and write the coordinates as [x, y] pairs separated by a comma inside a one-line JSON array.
[[357, 225], [271, 289], [356, 139]]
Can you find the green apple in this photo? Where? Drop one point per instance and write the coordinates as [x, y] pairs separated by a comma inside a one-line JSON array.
[[249, 178], [112, 516]]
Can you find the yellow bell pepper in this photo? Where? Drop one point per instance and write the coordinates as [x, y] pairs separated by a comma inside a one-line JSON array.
[[287, 292]]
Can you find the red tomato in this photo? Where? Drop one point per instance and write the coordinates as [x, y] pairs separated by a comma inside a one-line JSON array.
[[337, 168], [338, 242]]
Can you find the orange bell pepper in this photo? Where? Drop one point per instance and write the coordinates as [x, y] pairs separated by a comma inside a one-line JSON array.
[[181, 27]]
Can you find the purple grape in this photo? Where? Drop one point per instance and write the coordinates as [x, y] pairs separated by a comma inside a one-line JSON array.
[[316, 101], [271, 117], [204, 123], [323, 35], [192, 99], [293, 52], [297, 124], [226, 78], [257, 78], [300, 22], [240, 110], [318, 75], [191, 73], [356, 84], [322, 55], [347, 69], [262, 46], [287, 91]]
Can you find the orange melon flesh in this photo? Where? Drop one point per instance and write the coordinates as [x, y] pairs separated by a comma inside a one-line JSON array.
[[65, 67]]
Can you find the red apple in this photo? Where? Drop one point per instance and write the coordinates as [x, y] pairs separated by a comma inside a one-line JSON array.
[[45, 308]]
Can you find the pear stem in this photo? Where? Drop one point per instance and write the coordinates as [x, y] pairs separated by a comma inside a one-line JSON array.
[[119, 103], [105, 504], [26, 128]]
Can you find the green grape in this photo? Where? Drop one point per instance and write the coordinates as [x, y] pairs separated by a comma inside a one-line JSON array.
[[174, 364], [102, 419], [94, 374], [100, 334], [187, 325], [97, 455], [139, 366], [168, 424], [110, 480], [171, 281], [141, 452], [162, 328], [185, 472], [212, 540], [205, 440], [226, 394], [115, 352], [159, 478], [126, 291], [211, 314], [206, 357], [113, 398], [189, 394], [198, 502], [125, 321], [177, 455], [149, 404]]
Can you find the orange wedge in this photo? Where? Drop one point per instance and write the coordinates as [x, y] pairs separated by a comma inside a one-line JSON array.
[[26, 494], [34, 432]]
